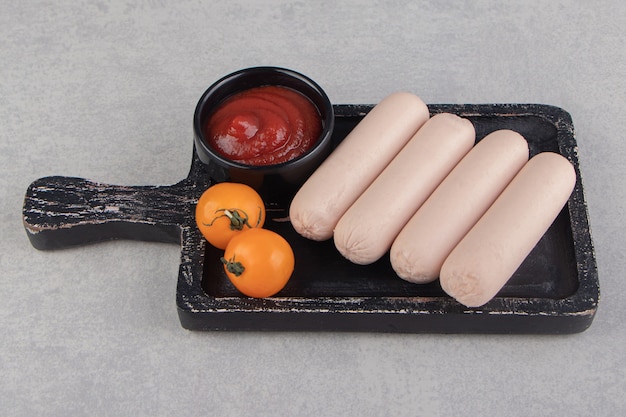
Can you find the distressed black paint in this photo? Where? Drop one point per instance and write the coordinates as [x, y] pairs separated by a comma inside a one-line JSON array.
[[556, 290]]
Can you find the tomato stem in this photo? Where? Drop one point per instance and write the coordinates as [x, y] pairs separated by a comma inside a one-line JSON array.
[[238, 218], [232, 266]]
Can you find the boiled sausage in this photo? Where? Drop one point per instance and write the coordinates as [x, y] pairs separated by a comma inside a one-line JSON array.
[[486, 258], [366, 231], [456, 205], [355, 163]]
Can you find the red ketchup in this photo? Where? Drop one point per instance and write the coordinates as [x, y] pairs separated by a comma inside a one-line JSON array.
[[264, 126]]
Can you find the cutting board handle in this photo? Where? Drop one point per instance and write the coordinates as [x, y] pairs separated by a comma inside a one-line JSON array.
[[61, 212]]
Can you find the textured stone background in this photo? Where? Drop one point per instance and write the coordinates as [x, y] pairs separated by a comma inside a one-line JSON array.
[[107, 90]]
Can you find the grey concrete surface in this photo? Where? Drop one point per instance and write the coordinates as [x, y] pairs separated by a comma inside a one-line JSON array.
[[106, 91]]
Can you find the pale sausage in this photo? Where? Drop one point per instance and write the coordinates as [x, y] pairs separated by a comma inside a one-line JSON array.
[[456, 205], [355, 163], [486, 258], [366, 231]]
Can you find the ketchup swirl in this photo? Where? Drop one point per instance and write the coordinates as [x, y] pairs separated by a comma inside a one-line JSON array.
[[264, 126]]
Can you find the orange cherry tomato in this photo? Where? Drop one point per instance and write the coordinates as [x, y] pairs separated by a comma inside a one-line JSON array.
[[226, 209], [258, 262]]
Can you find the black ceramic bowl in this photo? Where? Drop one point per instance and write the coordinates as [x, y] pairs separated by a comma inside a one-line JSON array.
[[286, 176]]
